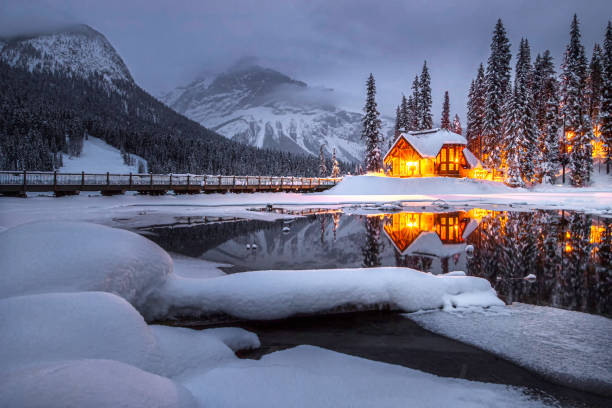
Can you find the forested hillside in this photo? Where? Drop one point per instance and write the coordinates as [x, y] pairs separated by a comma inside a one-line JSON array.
[[44, 113]]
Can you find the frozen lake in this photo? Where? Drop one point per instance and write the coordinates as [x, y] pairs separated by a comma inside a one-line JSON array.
[[543, 257]]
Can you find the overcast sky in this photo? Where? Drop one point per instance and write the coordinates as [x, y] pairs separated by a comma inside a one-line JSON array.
[[332, 43]]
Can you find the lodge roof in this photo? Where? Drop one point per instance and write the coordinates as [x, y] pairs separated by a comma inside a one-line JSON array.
[[429, 142]]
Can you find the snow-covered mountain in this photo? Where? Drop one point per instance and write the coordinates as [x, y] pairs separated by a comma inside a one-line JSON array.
[[268, 109], [78, 50]]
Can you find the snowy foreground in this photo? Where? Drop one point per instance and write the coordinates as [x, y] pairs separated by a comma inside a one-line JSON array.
[[569, 348], [70, 342]]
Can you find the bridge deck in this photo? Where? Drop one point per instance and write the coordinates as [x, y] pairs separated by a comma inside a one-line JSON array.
[[14, 182]]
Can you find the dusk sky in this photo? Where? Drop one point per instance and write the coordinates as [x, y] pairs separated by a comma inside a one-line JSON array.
[[324, 43]]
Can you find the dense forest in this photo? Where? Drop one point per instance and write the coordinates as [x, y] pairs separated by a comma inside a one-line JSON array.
[[44, 114]]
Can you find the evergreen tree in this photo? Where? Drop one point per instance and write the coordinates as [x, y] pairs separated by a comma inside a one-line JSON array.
[[595, 84], [426, 119], [497, 81], [445, 122], [550, 148], [416, 108], [470, 134], [404, 114], [371, 128], [372, 247], [398, 122], [575, 108], [335, 168], [457, 125], [322, 166], [605, 113], [520, 133]]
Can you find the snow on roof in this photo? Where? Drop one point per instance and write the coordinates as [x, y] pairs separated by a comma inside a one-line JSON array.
[[429, 243], [472, 161], [429, 142]]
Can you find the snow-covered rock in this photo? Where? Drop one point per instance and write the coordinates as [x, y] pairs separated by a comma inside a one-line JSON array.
[[75, 50], [71, 326], [89, 383], [380, 185], [278, 294], [52, 256], [567, 347], [307, 376], [265, 108]]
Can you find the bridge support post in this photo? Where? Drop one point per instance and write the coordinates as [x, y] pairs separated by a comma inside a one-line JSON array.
[[54, 180], [108, 178], [25, 182], [82, 179]]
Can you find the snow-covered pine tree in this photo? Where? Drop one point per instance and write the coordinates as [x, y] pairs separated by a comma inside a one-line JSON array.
[[550, 148], [595, 85], [410, 117], [497, 81], [416, 105], [371, 128], [404, 114], [605, 114], [520, 133], [480, 95], [322, 166], [457, 125], [426, 119], [575, 108], [398, 122], [335, 169], [470, 131], [445, 121]]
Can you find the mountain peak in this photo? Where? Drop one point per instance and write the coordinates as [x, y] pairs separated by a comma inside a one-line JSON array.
[[74, 49]]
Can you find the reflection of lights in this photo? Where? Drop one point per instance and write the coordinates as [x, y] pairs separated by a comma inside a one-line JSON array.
[[568, 248], [596, 234]]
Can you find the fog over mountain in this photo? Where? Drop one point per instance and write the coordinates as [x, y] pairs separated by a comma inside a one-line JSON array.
[[325, 44]]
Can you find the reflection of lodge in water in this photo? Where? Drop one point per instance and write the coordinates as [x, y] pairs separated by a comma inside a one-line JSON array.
[[436, 236]]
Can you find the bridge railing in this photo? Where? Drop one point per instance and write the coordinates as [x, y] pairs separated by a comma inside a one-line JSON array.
[[111, 179]]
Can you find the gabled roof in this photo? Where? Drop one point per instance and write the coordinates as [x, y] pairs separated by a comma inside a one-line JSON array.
[[429, 142]]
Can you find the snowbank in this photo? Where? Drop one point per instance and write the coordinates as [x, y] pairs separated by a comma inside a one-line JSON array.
[[98, 156], [69, 326], [308, 376], [71, 257], [570, 348], [380, 185], [189, 267], [278, 294], [89, 383]]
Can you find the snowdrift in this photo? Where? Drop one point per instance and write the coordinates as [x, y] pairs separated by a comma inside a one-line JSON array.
[[566, 347], [267, 295], [89, 383], [307, 376], [379, 185], [53, 256]]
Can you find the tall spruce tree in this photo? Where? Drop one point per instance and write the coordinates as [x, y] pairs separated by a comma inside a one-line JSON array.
[[520, 132], [575, 110], [606, 99], [405, 114], [457, 125], [497, 87], [371, 128], [398, 121], [445, 121], [476, 113], [550, 147], [322, 166], [595, 84], [426, 120], [335, 169], [470, 134], [416, 105]]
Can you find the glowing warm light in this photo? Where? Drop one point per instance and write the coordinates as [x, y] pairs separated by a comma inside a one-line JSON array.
[[596, 234], [568, 248]]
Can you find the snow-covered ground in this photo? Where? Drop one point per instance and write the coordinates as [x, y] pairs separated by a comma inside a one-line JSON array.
[[567, 347], [99, 157], [93, 348]]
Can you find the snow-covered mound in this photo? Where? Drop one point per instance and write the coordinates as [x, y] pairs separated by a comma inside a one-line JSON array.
[[57, 256], [89, 383], [267, 109], [77, 50], [266, 295], [307, 376], [570, 348], [379, 185], [69, 326], [98, 156]]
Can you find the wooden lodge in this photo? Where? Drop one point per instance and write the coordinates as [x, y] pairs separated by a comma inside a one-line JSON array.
[[434, 152]]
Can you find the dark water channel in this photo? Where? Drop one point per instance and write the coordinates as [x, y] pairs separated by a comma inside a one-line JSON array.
[[568, 253]]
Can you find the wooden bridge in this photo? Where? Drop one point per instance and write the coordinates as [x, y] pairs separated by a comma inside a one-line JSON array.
[[21, 182]]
